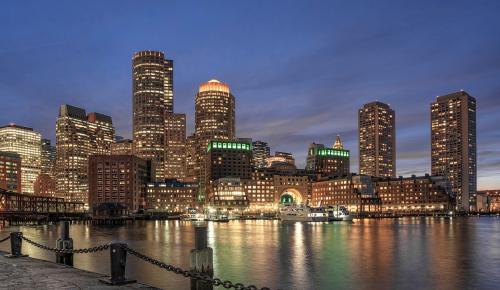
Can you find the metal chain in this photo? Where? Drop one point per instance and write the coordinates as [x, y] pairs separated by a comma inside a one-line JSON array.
[[67, 251], [4, 239], [193, 274]]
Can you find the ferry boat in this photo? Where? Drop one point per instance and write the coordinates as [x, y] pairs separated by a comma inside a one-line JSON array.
[[338, 213], [302, 213]]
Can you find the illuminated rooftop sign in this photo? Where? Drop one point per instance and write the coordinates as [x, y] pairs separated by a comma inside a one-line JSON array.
[[228, 145], [333, 152]]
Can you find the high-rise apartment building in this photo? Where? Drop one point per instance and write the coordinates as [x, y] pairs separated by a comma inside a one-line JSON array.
[[261, 151], [175, 149], [78, 136], [10, 171], [152, 79], [214, 119], [453, 144], [48, 162], [27, 143], [377, 140]]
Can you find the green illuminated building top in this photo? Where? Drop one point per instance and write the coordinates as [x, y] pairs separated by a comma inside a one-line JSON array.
[[333, 152], [229, 145]]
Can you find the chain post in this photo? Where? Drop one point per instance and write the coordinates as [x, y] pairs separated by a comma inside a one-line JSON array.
[[64, 243], [118, 257], [201, 258], [16, 243]]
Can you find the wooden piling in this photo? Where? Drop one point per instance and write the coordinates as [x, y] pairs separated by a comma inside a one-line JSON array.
[[201, 257]]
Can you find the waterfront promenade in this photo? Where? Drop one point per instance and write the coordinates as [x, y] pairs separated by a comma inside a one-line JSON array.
[[28, 273]]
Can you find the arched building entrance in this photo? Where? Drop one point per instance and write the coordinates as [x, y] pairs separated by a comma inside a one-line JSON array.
[[291, 195]]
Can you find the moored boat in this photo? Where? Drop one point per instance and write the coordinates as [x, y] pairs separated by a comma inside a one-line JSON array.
[[302, 213], [338, 213]]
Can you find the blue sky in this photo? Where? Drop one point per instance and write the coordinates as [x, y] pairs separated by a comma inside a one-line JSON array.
[[299, 69]]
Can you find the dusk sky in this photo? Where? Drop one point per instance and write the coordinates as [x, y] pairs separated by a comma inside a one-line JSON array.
[[299, 69]]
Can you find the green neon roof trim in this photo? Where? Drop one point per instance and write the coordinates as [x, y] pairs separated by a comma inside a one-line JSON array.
[[228, 145], [333, 152]]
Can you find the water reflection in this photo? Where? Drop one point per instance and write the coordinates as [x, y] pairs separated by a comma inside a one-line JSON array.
[[412, 253]]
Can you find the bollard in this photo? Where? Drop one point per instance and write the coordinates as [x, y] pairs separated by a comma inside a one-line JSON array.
[[64, 243], [16, 243], [118, 257], [201, 258]]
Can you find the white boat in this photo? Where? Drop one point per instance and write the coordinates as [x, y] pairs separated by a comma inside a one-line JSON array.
[[302, 213], [338, 213], [193, 217]]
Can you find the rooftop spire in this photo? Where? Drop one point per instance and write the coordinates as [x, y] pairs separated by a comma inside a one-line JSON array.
[[338, 143]]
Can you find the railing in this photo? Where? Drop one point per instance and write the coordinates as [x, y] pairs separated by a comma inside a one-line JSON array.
[[201, 272]]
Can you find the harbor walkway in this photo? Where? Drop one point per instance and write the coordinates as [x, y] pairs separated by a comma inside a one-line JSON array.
[[28, 273]]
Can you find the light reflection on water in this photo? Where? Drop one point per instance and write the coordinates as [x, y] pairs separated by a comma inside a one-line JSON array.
[[410, 253]]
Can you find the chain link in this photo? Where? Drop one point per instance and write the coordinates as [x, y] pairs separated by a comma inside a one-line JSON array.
[[4, 239], [67, 251], [192, 274]]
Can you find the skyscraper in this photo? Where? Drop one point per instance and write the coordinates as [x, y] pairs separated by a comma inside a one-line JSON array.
[[77, 136], [192, 171], [48, 162], [175, 138], [453, 144], [261, 151], [377, 140], [152, 79], [27, 143], [214, 119]]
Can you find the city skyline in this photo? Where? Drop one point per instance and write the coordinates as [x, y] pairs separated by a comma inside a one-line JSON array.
[[270, 106]]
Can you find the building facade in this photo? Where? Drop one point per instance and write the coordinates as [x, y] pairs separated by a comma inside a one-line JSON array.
[[171, 196], [10, 171], [415, 194], [45, 185], [354, 192], [214, 120], [48, 153], [78, 136], [122, 147], [453, 144], [261, 151], [328, 161], [175, 150], [267, 185], [192, 165], [27, 143], [493, 199], [226, 158], [118, 179], [228, 194], [377, 140], [152, 85]]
